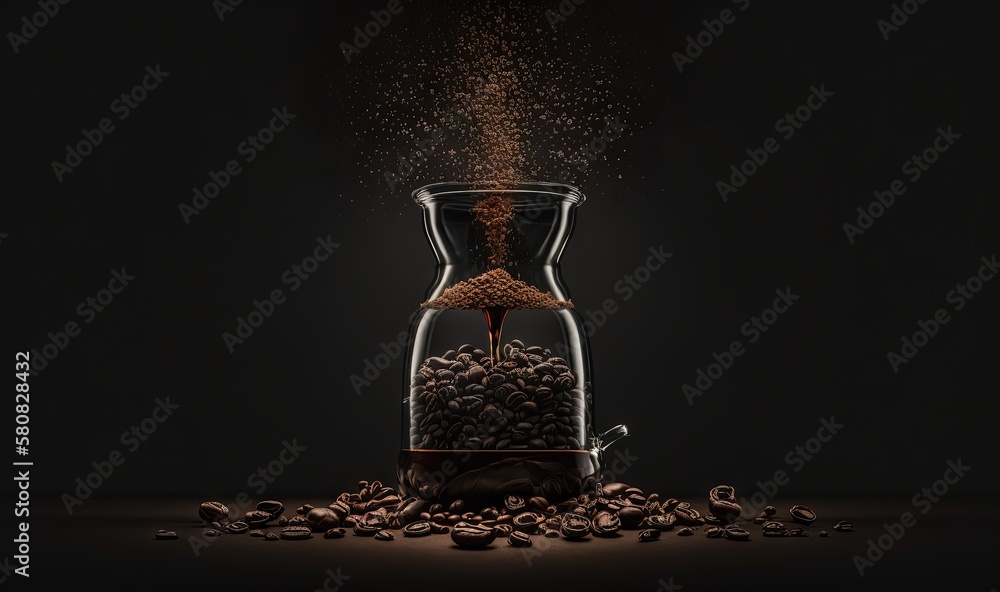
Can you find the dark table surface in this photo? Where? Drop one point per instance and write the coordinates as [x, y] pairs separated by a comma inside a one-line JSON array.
[[109, 542]]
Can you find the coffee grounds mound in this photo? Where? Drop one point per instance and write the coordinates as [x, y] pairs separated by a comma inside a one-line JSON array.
[[495, 288]]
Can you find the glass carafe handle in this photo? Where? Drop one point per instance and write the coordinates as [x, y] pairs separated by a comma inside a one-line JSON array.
[[599, 444]]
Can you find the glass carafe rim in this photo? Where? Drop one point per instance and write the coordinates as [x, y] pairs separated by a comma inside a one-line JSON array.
[[468, 192]]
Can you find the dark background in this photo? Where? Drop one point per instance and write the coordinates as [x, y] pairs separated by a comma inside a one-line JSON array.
[[825, 357]]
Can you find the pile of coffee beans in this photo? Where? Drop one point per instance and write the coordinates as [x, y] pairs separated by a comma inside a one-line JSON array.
[[531, 400], [376, 511]]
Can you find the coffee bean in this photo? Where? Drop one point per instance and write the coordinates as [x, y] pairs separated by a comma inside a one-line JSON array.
[[384, 535], [802, 515], [490, 513], [456, 507], [257, 518], [669, 505], [165, 535], [713, 520], [514, 503], [216, 525], [335, 533], [366, 530], [341, 509], [257, 533], [304, 508], [798, 532], [282, 521], [297, 521], [519, 539], [503, 530], [823, 534], [272, 507], [238, 527], [271, 537], [296, 532], [439, 528], [662, 521], [843, 526], [528, 521], [605, 524], [550, 533], [761, 518], [649, 535], [322, 519], [726, 510], [737, 533], [213, 512], [631, 516], [574, 526], [714, 532], [211, 532], [685, 531], [417, 529], [770, 510], [774, 529], [471, 536], [688, 516]]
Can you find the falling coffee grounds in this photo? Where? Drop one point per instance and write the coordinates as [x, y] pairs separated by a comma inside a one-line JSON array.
[[494, 213]]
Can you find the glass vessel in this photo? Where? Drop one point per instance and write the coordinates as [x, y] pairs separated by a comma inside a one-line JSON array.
[[498, 385]]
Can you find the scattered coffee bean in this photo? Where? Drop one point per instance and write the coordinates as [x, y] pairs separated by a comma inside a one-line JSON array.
[[384, 535], [797, 532], [631, 516], [257, 533], [503, 530], [714, 532], [297, 532], [273, 507], [490, 513], [605, 524], [303, 509], [648, 535], [283, 521], [574, 526], [257, 518], [238, 527], [271, 537], [774, 529], [417, 529], [734, 532], [713, 520], [688, 516], [528, 521], [456, 507], [322, 519], [685, 531], [770, 511], [211, 532], [550, 533], [165, 535], [213, 512], [843, 526], [669, 504], [514, 503], [366, 530], [335, 533], [823, 534], [472, 536], [519, 539], [761, 518], [439, 528], [538, 503], [341, 509], [662, 521], [802, 515]]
